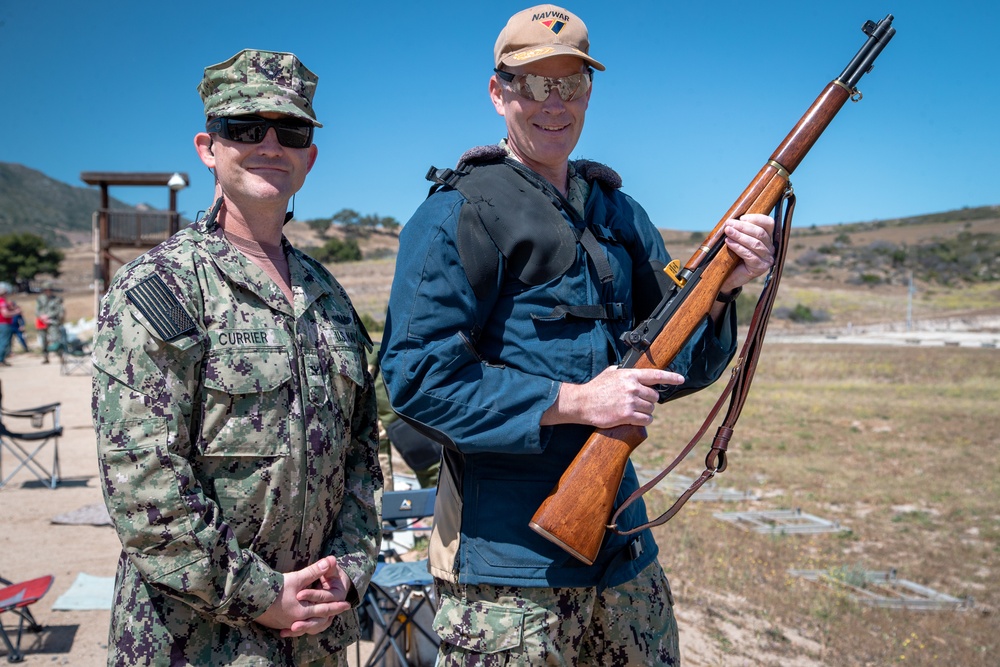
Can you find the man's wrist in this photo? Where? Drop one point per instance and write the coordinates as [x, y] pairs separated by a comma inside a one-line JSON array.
[[729, 297]]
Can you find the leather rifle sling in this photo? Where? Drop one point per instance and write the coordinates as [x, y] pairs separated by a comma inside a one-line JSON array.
[[738, 386]]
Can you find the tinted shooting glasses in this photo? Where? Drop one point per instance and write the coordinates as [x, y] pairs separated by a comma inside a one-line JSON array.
[[537, 88], [291, 133]]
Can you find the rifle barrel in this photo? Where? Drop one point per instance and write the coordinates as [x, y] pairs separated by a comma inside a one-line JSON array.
[[879, 35]]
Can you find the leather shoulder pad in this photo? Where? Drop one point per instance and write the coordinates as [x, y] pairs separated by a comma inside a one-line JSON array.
[[511, 214], [481, 155]]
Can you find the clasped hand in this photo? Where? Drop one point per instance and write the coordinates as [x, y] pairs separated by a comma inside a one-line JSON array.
[[309, 599]]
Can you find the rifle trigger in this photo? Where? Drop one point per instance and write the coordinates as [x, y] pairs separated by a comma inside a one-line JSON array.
[[638, 341]]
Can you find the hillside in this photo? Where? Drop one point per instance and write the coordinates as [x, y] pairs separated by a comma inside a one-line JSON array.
[[946, 248], [950, 247], [839, 274], [849, 273], [31, 201]]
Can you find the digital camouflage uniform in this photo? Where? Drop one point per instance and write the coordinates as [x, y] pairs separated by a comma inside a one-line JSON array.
[[492, 626], [232, 450]]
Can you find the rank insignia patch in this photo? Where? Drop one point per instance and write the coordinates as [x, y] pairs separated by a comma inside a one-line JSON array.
[[152, 298]]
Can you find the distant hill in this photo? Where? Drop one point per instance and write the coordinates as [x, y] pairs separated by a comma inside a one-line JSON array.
[[31, 201], [947, 248], [960, 245]]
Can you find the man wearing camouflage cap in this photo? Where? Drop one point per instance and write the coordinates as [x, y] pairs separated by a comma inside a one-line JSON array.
[[521, 273], [235, 418]]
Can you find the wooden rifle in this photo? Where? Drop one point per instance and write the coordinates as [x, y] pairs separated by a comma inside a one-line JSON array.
[[576, 514]]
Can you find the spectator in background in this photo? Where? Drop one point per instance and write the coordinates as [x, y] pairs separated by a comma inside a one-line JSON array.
[[17, 329], [49, 316], [8, 310]]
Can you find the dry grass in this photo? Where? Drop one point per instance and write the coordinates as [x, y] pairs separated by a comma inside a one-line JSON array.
[[895, 443]]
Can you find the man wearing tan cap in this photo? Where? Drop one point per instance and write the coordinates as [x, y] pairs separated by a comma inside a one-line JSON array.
[[236, 423], [515, 281]]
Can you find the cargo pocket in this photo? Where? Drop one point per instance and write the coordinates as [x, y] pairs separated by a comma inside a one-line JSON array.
[[346, 375], [246, 403], [142, 492], [479, 627]]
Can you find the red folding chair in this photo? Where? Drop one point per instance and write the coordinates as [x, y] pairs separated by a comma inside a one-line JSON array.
[[16, 598]]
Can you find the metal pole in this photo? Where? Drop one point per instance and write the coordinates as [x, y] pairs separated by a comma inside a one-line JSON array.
[[172, 222], [909, 304], [104, 234], [98, 283]]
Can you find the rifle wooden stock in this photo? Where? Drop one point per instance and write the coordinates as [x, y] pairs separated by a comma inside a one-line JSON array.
[[575, 515]]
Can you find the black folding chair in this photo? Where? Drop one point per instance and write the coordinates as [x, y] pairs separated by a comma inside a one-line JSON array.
[[27, 445], [400, 601]]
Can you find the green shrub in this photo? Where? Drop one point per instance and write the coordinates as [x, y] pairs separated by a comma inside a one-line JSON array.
[[336, 250]]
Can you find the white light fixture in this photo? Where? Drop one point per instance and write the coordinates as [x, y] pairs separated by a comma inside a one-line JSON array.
[[177, 182]]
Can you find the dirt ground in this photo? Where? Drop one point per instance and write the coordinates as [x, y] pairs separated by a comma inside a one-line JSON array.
[[32, 546]]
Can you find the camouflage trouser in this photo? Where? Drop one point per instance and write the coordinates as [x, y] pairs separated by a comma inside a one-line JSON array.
[[385, 462], [53, 337], [338, 659], [631, 624]]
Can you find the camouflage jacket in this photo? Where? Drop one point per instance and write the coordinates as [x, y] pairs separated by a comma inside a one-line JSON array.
[[240, 449], [51, 308]]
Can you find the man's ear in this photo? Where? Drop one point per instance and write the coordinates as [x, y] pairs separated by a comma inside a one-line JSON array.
[[313, 152], [203, 145], [496, 94]]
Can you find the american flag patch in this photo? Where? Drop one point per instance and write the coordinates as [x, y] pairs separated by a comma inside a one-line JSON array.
[[152, 298]]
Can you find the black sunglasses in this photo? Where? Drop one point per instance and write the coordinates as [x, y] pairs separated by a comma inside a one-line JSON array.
[[291, 133]]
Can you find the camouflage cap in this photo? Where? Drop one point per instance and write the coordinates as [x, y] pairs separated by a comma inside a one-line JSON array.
[[255, 81]]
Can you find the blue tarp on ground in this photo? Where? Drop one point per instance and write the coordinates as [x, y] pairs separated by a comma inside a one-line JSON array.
[[87, 592]]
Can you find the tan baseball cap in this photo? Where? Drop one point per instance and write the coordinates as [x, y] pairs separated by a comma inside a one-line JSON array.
[[542, 32]]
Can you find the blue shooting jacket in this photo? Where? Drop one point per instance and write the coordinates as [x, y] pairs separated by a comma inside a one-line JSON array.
[[480, 373]]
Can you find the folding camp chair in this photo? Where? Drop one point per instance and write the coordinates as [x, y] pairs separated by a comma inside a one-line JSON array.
[[16, 598], [26, 446], [74, 357], [400, 600]]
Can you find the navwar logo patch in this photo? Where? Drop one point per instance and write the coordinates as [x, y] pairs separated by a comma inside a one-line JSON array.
[[554, 25]]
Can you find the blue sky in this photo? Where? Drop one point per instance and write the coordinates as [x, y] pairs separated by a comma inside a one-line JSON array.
[[695, 98]]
